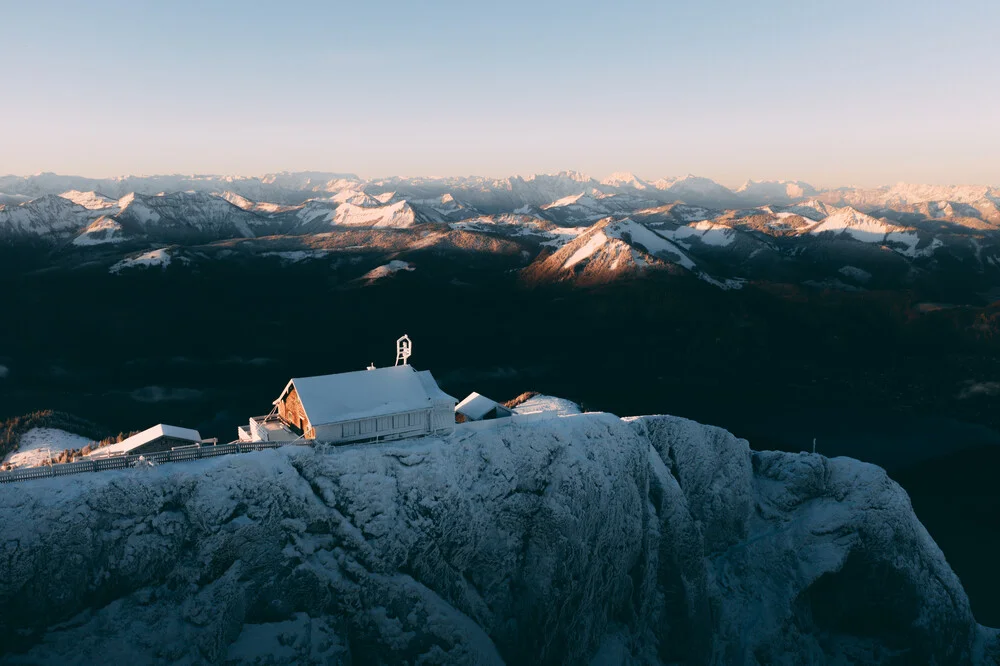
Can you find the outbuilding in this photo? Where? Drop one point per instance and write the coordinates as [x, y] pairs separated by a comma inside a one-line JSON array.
[[160, 437], [478, 407]]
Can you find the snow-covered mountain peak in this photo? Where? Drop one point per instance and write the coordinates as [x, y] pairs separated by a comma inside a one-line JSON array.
[[237, 200], [908, 193], [690, 180], [397, 215], [777, 191], [89, 200], [103, 230], [586, 198], [569, 175], [264, 207], [126, 201], [850, 222], [357, 197], [696, 190], [625, 179]]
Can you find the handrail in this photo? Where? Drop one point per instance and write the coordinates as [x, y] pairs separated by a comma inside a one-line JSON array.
[[125, 461]]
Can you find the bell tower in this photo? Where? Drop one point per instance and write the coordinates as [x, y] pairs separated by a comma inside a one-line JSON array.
[[404, 349]]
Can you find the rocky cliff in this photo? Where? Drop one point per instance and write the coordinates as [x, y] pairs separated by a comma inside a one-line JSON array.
[[578, 539]]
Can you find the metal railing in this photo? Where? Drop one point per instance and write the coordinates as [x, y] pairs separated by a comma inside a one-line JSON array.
[[127, 461]]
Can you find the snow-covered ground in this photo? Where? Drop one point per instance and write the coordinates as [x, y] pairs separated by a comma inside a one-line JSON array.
[[547, 404], [295, 256], [38, 444], [707, 232], [855, 273], [149, 259], [593, 244], [652, 540], [388, 269]]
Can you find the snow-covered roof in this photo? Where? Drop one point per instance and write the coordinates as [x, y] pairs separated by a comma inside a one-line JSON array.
[[476, 406], [146, 436], [357, 395]]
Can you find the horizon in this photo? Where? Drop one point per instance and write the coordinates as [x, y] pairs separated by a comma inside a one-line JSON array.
[[853, 93], [731, 185]]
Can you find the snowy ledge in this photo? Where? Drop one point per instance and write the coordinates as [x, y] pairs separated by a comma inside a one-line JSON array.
[[541, 539]]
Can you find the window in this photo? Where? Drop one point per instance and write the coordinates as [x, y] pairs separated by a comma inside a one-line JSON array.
[[350, 429], [384, 423], [366, 426]]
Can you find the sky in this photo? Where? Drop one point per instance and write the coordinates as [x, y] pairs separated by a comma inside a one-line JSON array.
[[833, 92]]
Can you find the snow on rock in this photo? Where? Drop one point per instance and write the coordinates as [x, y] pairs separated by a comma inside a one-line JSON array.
[[855, 273], [625, 179], [388, 269], [611, 249], [399, 215], [13, 199], [593, 243], [295, 256], [512, 225], [562, 235], [654, 243], [548, 404], [265, 207], [90, 200], [160, 257], [627, 232], [754, 191], [578, 208], [46, 215], [655, 540], [357, 197], [855, 224], [445, 208], [102, 230], [315, 211], [707, 232], [137, 209], [38, 444]]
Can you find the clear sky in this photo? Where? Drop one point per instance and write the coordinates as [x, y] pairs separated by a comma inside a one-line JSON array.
[[834, 92]]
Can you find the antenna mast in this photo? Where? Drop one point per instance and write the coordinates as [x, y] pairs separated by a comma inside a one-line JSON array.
[[404, 349]]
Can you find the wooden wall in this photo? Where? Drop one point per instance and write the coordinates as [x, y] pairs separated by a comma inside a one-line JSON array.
[[291, 411]]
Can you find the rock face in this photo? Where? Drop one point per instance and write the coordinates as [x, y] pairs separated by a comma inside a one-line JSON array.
[[575, 539]]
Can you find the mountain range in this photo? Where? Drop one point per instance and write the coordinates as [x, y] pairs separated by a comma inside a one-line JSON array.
[[564, 227], [865, 318]]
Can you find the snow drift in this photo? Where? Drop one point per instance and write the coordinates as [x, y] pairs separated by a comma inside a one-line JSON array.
[[574, 539]]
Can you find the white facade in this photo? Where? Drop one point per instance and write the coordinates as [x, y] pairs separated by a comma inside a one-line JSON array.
[[390, 426], [268, 428]]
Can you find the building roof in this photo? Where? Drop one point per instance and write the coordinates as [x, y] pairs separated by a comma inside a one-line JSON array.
[[357, 395], [145, 437], [476, 406]]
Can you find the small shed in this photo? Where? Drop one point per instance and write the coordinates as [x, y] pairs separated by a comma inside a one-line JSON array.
[[160, 437], [478, 407], [374, 404]]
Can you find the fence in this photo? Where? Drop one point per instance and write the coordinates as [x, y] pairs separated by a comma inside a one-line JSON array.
[[124, 462], [198, 452]]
